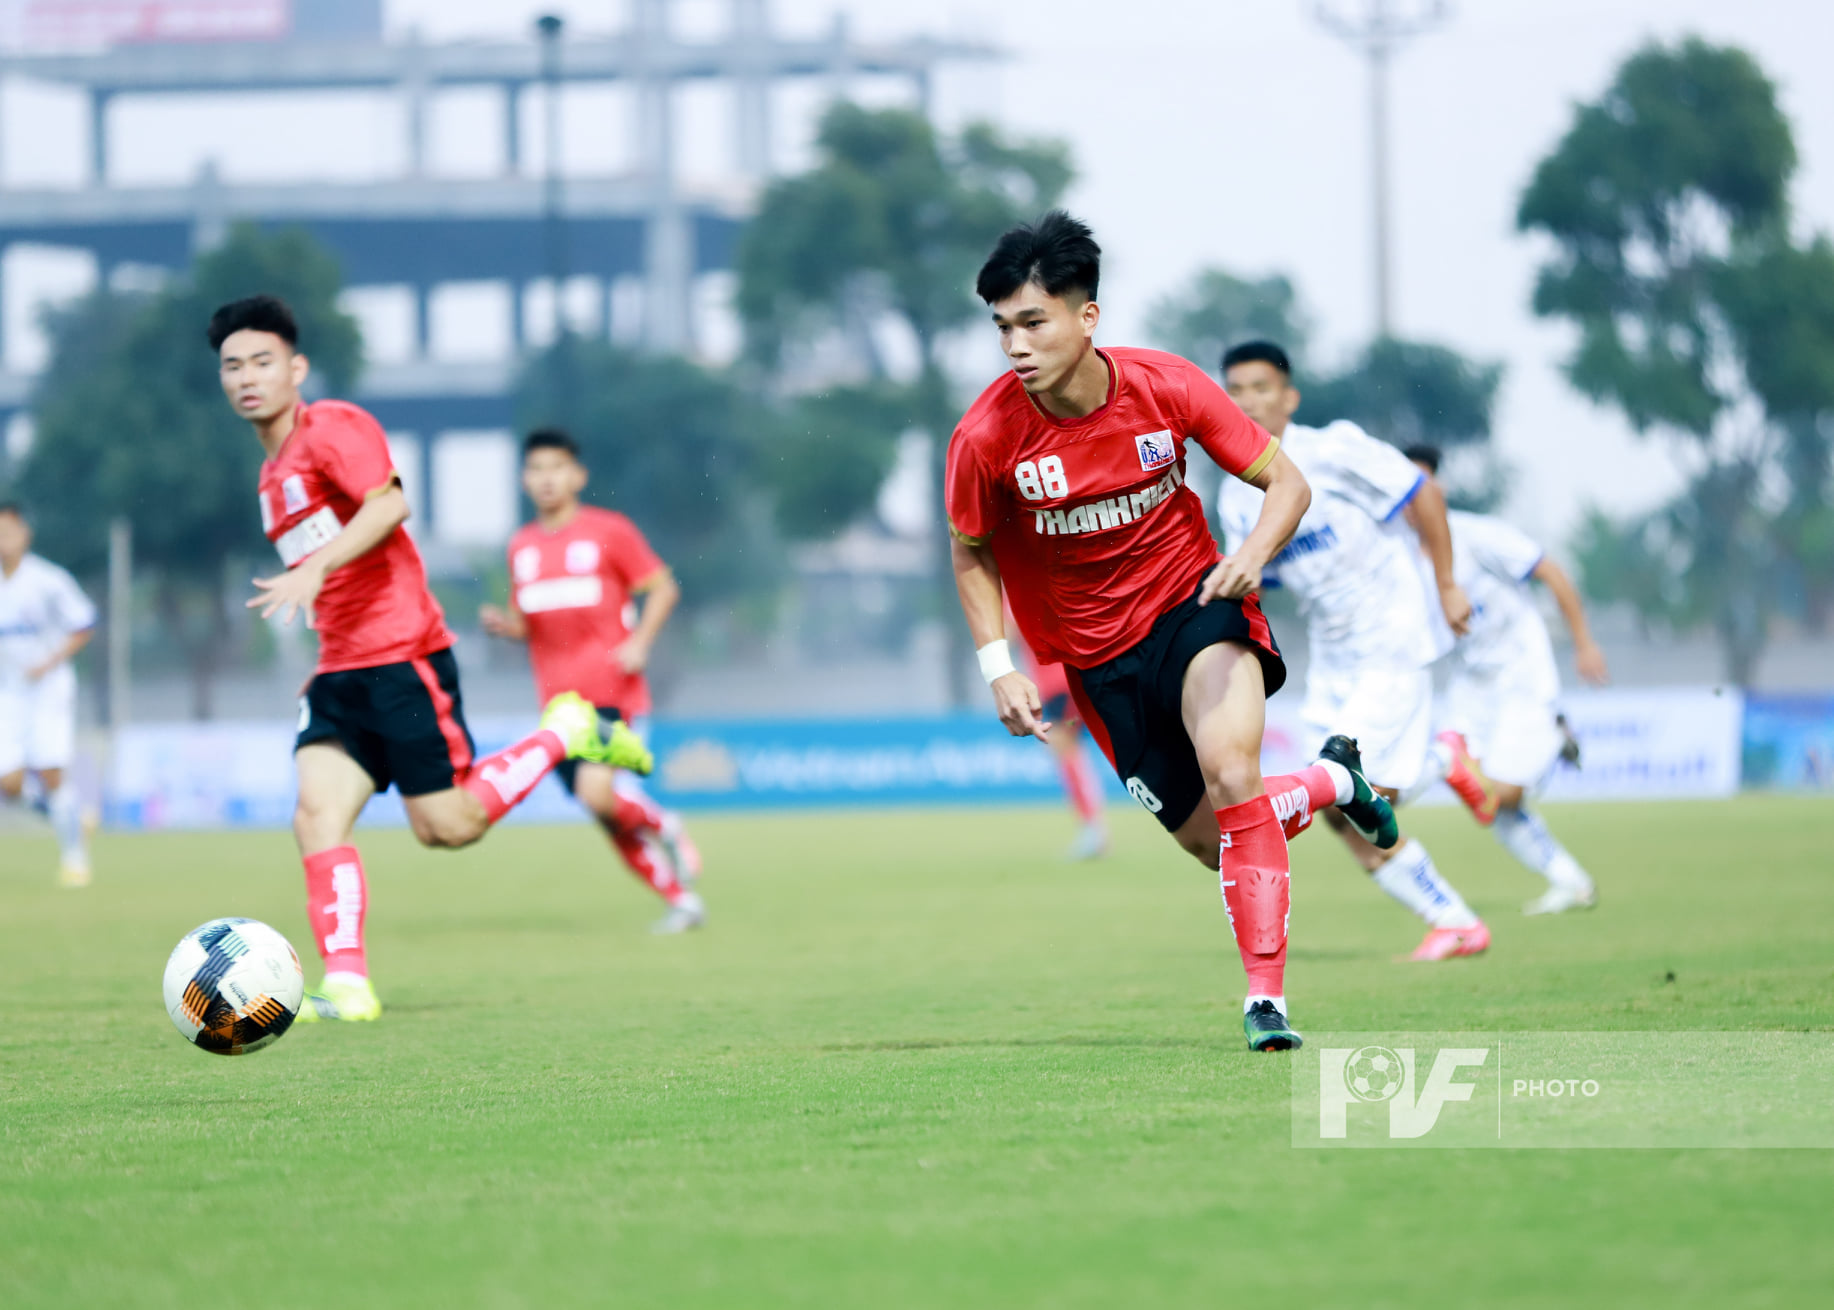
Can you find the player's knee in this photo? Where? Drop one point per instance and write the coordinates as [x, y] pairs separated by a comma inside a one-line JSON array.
[[12, 785], [316, 826], [446, 832], [1232, 779]]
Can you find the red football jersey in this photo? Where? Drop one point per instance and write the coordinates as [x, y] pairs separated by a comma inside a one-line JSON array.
[[1089, 519], [377, 608], [573, 588]]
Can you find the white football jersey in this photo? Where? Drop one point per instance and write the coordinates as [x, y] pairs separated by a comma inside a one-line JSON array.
[[1353, 563], [40, 607], [1508, 640]]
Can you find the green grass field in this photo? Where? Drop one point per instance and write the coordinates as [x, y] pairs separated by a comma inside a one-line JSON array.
[[916, 1060]]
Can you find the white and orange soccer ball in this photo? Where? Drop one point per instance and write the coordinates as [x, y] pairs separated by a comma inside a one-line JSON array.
[[233, 986]]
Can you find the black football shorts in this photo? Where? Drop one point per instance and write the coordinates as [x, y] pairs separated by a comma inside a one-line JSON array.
[[1133, 703], [404, 723]]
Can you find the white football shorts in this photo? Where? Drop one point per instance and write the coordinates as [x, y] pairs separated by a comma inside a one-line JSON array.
[[38, 723], [1388, 711], [1511, 730]]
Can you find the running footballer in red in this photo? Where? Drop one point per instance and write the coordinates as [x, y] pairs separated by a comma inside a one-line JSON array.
[[1066, 495], [383, 707], [576, 575]]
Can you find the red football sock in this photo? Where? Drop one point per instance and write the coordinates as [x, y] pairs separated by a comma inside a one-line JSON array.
[[648, 863], [337, 898], [502, 781], [1257, 891], [1079, 781], [1298, 796], [637, 814]]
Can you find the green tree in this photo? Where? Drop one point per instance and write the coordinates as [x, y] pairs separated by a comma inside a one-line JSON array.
[[131, 423], [1217, 310], [1402, 391], [671, 444], [893, 219], [1413, 392], [829, 456], [1700, 318]]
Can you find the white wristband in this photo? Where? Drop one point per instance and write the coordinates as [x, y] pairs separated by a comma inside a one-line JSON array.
[[996, 659]]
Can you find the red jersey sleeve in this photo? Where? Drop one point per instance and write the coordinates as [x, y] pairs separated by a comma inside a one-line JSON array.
[[627, 552], [1228, 436], [353, 453], [971, 494]]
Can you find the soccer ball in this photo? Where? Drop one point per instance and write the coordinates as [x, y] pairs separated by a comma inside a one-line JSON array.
[[1373, 1073], [233, 986]]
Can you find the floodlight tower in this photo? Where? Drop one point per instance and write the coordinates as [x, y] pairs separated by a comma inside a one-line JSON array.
[[548, 30], [1375, 33]]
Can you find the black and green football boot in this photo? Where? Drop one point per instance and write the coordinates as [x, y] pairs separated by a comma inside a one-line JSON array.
[[1267, 1030], [1368, 811]]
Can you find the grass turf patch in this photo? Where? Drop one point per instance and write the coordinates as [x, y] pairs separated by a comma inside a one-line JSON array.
[[916, 1060]]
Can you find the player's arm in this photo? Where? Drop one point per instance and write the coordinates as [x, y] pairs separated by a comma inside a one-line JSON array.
[[661, 594], [506, 621], [977, 582], [1426, 515], [1242, 447], [1587, 657], [67, 651], [1286, 496], [385, 510]]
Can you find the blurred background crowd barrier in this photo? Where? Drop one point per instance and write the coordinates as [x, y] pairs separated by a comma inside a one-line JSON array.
[[1637, 745]]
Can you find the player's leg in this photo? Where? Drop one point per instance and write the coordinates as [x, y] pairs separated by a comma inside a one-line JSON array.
[[1079, 779], [634, 831], [1224, 710], [333, 789], [1389, 715], [451, 798], [1523, 750], [52, 750], [1471, 719], [640, 811]]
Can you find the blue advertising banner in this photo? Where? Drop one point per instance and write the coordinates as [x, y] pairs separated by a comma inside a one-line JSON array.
[[1652, 743], [1789, 741], [240, 775]]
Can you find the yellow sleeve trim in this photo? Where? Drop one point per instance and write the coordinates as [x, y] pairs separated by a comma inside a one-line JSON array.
[[1265, 458], [967, 540], [394, 480]]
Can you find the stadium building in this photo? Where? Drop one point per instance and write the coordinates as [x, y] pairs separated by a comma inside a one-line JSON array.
[[643, 251]]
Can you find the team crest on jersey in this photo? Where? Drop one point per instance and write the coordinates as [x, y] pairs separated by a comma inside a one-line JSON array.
[[582, 557], [527, 564], [293, 493], [1156, 450]]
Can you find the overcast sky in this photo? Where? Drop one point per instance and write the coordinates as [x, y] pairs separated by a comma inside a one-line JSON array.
[[1228, 132]]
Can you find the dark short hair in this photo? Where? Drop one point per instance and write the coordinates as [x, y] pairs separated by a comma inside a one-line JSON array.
[[1057, 252], [255, 314], [1428, 455], [14, 508], [550, 439], [1258, 352]]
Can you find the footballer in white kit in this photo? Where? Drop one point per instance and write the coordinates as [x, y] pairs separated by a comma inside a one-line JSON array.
[[1376, 618], [45, 619], [1502, 695]]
